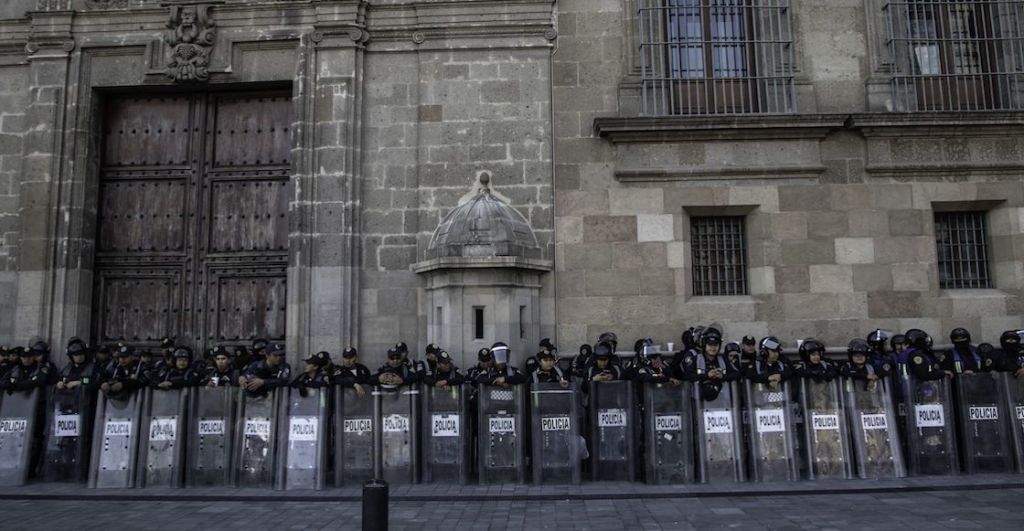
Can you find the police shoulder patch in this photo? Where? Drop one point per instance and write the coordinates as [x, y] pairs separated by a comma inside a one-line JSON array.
[[885, 366], [988, 361], [688, 360], [918, 359]]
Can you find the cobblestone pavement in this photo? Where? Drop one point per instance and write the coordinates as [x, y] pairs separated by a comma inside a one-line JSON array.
[[988, 508]]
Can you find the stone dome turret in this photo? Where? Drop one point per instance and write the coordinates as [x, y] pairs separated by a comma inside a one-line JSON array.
[[484, 226]]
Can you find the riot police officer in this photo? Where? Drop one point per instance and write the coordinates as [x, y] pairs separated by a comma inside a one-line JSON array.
[[877, 340], [28, 374], [963, 358], [813, 364], [501, 373], [445, 374], [771, 368], [859, 369], [603, 370], [899, 343], [657, 371], [733, 352], [430, 355], [221, 372], [395, 372], [125, 377], [748, 354], [484, 362], [166, 358], [105, 362], [548, 372], [263, 376], [351, 373], [1012, 356], [919, 359], [41, 351], [179, 375], [314, 375], [79, 371], [581, 362], [707, 369]]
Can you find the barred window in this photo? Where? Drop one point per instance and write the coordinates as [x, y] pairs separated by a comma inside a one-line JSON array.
[[716, 56], [960, 239], [956, 54], [719, 250]]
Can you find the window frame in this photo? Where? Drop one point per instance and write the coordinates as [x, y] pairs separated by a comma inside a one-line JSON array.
[[719, 277], [959, 259]]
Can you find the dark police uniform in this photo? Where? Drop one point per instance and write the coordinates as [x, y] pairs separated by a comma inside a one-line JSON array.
[[272, 376], [350, 376]]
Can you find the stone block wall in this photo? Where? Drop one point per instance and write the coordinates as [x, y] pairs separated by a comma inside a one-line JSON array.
[[839, 199]]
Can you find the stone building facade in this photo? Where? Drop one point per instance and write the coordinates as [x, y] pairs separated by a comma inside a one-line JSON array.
[[378, 118]]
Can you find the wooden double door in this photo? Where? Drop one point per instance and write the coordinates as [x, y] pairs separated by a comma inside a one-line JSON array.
[[192, 225]]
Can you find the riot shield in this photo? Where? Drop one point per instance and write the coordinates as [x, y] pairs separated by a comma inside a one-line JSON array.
[[353, 437], [211, 436], [18, 412], [771, 433], [115, 440], [876, 439], [668, 433], [612, 431], [303, 464], [826, 443], [556, 434], [162, 451], [501, 453], [399, 424], [446, 436], [719, 436], [1015, 404], [984, 422], [931, 431], [69, 434], [256, 440]]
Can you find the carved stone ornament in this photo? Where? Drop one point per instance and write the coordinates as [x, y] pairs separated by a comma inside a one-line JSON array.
[[190, 39], [106, 4]]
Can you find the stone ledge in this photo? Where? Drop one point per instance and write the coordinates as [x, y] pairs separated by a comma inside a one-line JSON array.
[[483, 262], [942, 124], [721, 127]]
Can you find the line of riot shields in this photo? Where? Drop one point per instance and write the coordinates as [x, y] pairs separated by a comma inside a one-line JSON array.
[[310, 438]]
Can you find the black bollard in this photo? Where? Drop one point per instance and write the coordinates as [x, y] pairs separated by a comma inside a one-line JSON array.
[[375, 505]]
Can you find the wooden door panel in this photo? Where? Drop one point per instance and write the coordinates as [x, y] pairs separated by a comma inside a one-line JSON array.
[[137, 306], [143, 215], [248, 304], [251, 131], [248, 216], [148, 132]]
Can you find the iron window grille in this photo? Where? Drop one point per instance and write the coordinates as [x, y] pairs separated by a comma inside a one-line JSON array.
[[719, 252], [952, 55], [960, 240], [716, 57]]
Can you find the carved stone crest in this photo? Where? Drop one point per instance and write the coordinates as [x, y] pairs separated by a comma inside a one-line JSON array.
[[190, 39]]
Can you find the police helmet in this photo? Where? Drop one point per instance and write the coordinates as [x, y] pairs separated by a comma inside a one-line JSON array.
[[959, 335], [38, 346], [877, 340], [770, 343], [1009, 340], [77, 346], [483, 354], [349, 352], [857, 346], [183, 352], [547, 344], [810, 346], [919, 339], [586, 349], [259, 344], [732, 347], [603, 350], [433, 349], [898, 339], [710, 336]]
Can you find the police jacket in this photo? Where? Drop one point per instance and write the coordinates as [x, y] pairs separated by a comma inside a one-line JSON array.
[[696, 368], [179, 378], [530, 365], [922, 365], [580, 363], [761, 370], [405, 371], [823, 371], [349, 377], [960, 361], [452, 376], [1012, 361], [611, 369], [130, 377], [26, 378], [555, 375], [87, 373], [315, 380], [863, 372], [273, 377], [215, 378], [654, 374], [511, 375]]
